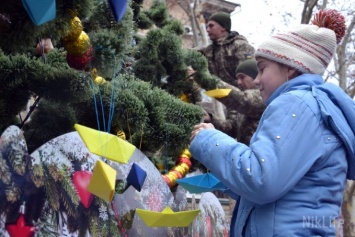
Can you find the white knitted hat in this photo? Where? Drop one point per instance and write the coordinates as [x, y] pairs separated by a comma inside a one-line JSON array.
[[307, 48]]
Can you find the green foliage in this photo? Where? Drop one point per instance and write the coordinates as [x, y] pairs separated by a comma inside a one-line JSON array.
[[143, 21], [162, 61], [112, 41], [159, 13], [175, 27], [20, 35], [144, 80], [50, 120], [144, 113]]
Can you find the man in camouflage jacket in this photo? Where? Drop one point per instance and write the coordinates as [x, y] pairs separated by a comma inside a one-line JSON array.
[[244, 105], [227, 50]]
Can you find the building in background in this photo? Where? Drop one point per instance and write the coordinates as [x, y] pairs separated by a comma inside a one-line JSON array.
[[193, 15]]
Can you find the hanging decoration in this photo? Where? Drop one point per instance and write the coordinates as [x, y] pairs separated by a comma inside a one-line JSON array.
[[180, 170], [77, 44], [44, 46], [105, 144], [97, 79], [102, 183], [184, 98], [119, 8], [136, 177], [20, 229], [167, 218], [121, 134], [40, 12], [202, 183], [218, 93]]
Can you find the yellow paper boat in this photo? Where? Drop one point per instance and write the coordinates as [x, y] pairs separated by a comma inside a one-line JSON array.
[[103, 181], [105, 144], [167, 218], [218, 93]]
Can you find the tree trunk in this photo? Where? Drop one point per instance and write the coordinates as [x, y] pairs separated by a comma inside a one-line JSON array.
[[307, 10]]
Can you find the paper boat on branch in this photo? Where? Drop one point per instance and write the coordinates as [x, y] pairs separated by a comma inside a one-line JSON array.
[[218, 93], [167, 218], [202, 183], [136, 177], [105, 144], [103, 180], [119, 8], [40, 11]]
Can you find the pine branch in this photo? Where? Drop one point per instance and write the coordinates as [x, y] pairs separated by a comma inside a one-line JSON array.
[[15, 157], [5, 175], [68, 194], [52, 192], [37, 175], [13, 193], [93, 223]]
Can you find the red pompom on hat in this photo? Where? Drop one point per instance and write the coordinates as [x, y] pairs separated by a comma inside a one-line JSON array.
[[306, 48], [332, 20]]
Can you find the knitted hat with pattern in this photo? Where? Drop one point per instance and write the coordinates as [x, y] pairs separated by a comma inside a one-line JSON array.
[[307, 48], [223, 19], [248, 67]]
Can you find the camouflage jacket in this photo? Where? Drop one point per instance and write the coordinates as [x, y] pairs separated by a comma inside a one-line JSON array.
[[225, 54], [244, 109]]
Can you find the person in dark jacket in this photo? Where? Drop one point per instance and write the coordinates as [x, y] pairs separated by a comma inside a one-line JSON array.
[[244, 104], [228, 48], [226, 51]]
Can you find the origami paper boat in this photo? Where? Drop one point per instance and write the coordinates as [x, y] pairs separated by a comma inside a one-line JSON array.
[[218, 93], [40, 11], [167, 218], [102, 183], [201, 183], [105, 144], [136, 177], [119, 8]]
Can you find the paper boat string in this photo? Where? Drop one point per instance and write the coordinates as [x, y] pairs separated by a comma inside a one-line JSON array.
[[167, 218], [114, 94]]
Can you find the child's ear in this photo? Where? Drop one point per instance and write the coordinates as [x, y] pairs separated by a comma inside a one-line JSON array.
[[292, 73]]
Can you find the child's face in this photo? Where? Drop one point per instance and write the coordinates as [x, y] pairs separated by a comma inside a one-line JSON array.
[[271, 76]]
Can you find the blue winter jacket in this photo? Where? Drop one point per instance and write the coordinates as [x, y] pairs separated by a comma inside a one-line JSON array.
[[292, 176]]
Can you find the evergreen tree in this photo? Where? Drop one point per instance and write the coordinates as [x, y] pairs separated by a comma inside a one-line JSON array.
[[99, 74]]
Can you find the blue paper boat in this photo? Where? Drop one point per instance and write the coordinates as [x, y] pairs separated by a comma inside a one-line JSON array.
[[136, 177], [202, 183], [119, 8], [40, 11]]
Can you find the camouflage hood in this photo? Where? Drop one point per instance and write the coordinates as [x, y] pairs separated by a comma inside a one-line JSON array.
[[234, 35]]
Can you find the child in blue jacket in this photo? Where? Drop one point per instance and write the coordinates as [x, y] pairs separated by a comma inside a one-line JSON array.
[[291, 177]]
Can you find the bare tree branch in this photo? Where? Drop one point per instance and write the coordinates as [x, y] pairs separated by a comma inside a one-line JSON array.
[[307, 10]]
